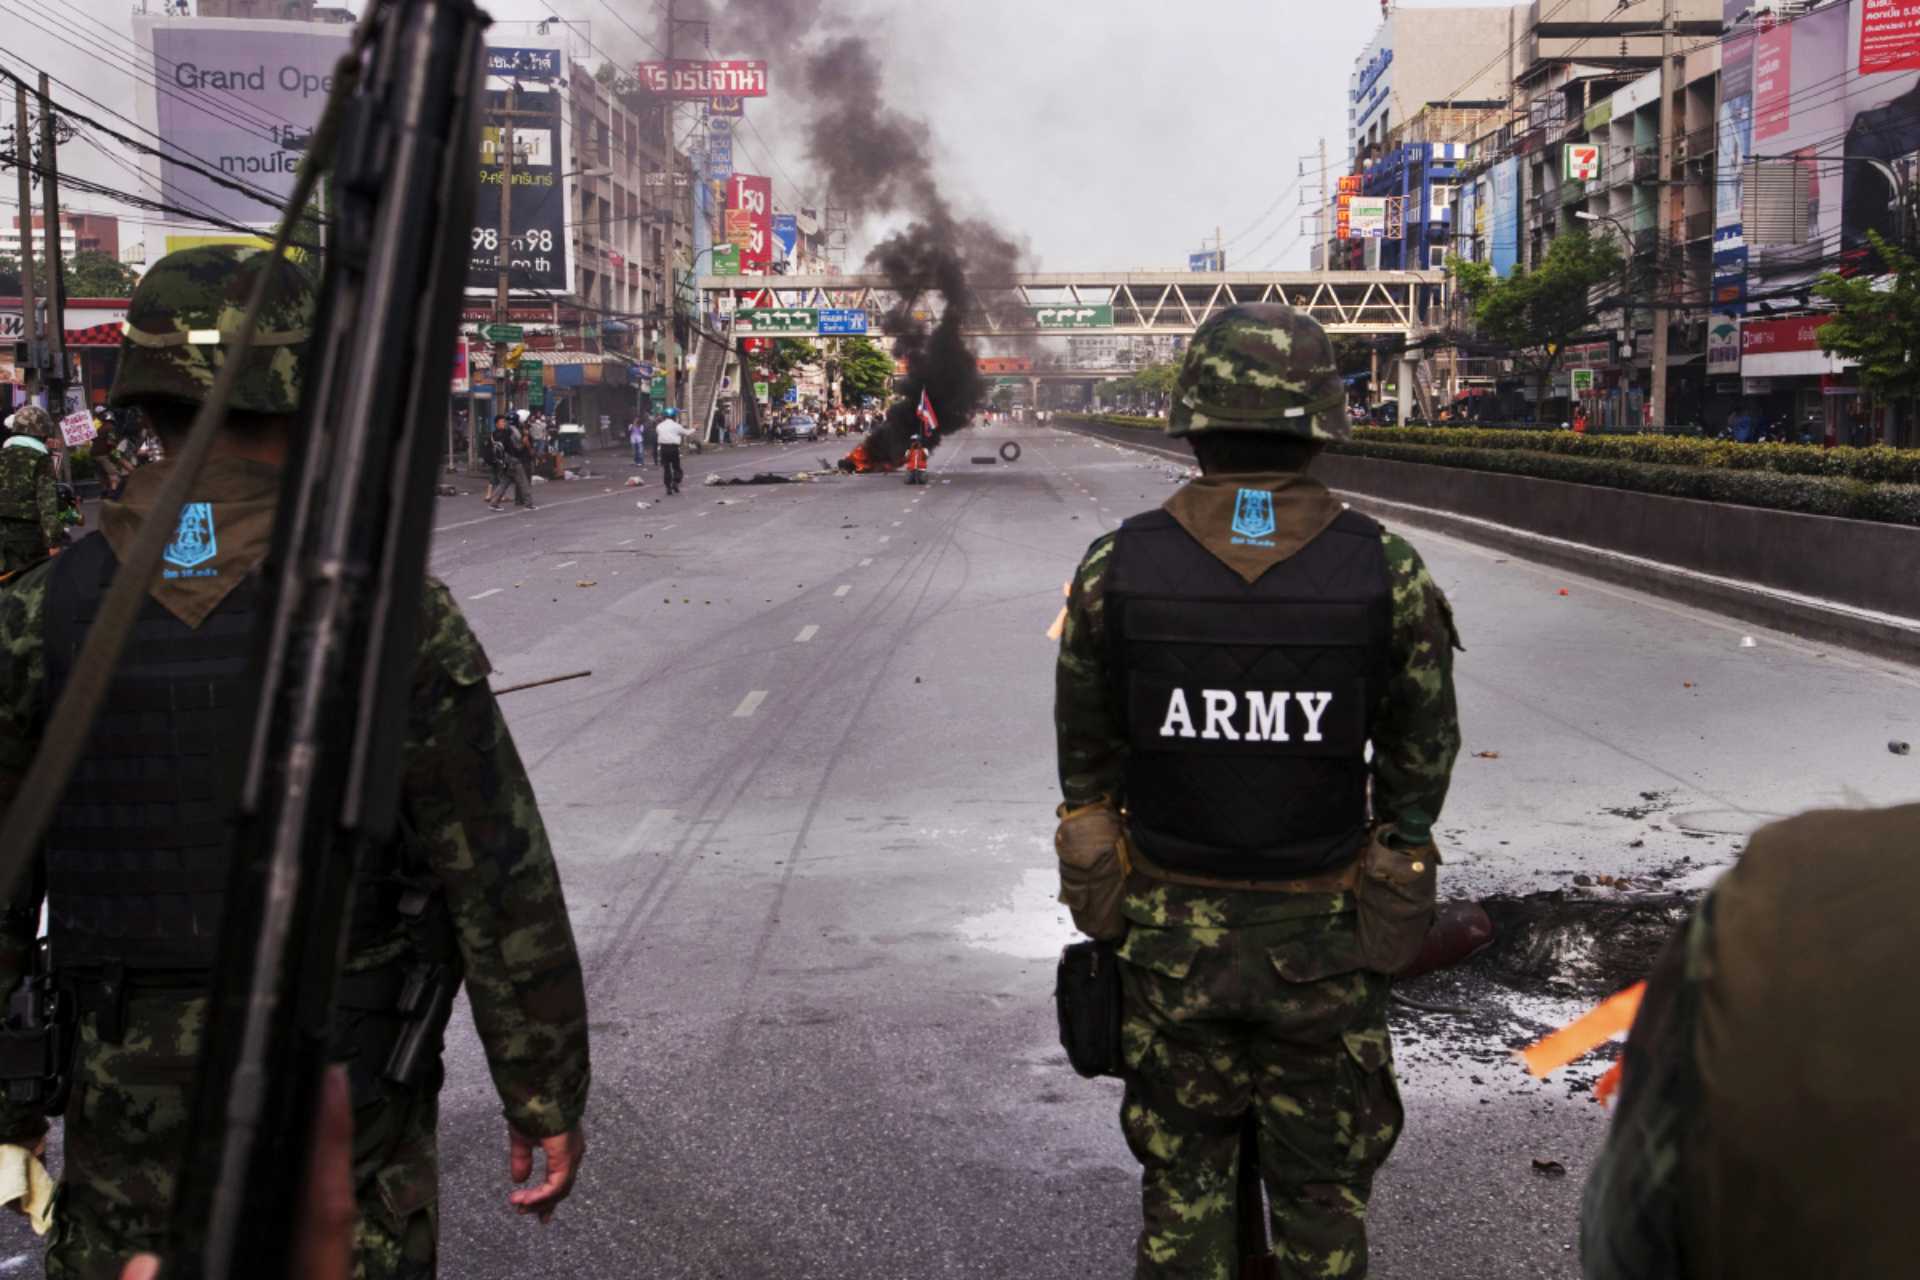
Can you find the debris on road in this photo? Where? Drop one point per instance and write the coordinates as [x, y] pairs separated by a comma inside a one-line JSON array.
[[987, 460], [1549, 1168], [1010, 451], [1486, 755], [1460, 930], [1748, 642], [586, 582], [535, 684], [1563, 591], [1900, 748], [634, 482]]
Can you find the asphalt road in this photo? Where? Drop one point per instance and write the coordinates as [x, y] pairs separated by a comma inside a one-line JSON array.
[[803, 809]]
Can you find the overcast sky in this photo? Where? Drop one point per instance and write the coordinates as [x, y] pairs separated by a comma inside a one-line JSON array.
[[1101, 133]]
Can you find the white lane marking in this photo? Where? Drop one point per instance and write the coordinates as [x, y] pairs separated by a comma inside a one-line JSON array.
[[629, 542], [568, 564], [807, 632], [749, 704], [869, 559], [885, 537], [842, 589], [704, 513], [896, 523], [484, 594], [667, 528]]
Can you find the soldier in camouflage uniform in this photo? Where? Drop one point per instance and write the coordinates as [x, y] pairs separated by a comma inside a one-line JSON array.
[[30, 525], [1224, 662], [472, 887]]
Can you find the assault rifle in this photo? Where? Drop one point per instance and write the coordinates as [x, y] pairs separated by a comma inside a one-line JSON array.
[[344, 582]]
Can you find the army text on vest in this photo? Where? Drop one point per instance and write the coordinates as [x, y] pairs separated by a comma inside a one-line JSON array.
[[1248, 707]]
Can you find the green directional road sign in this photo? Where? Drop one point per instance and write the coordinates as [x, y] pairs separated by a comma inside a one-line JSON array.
[[760, 390], [1091, 315], [658, 391], [504, 333], [1582, 381], [759, 320]]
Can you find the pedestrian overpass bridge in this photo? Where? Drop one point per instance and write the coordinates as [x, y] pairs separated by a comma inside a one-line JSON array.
[[1095, 303]]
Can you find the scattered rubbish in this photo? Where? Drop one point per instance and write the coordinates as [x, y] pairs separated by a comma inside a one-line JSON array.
[[987, 461], [1900, 748], [1584, 881], [1563, 591], [634, 482], [535, 684], [1549, 1168], [1636, 844], [1486, 755], [586, 582], [916, 679], [1460, 931], [446, 491], [539, 479], [1748, 642], [641, 506], [763, 477], [1686, 684]]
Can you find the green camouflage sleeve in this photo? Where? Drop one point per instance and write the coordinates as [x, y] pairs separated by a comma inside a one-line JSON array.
[[1417, 733], [469, 801], [22, 711], [46, 503], [1092, 741]]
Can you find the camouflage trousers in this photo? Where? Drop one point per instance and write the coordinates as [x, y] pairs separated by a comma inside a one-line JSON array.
[[20, 544], [126, 1126], [1278, 1020]]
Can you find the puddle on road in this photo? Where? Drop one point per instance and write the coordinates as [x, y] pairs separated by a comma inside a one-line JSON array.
[[1031, 926]]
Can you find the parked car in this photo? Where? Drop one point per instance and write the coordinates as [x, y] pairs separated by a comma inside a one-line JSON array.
[[801, 427]]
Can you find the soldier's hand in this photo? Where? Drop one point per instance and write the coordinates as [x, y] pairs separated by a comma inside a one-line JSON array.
[[563, 1155]]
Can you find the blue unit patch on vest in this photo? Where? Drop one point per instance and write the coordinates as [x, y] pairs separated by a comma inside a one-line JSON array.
[[193, 543], [1253, 518]]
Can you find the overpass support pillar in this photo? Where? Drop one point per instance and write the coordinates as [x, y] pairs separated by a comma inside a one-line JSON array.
[[1033, 395], [1403, 390]]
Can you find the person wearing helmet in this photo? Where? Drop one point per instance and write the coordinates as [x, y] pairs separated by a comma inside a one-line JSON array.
[[1225, 664], [31, 528], [135, 863], [916, 462]]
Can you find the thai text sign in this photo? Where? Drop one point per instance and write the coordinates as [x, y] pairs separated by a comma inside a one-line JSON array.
[[751, 198], [841, 321], [1889, 36], [1097, 315], [686, 79], [778, 320]]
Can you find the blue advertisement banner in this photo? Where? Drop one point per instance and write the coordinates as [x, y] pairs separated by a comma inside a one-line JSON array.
[[719, 157], [786, 234]]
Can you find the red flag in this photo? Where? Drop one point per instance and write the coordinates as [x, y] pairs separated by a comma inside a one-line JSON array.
[[925, 414]]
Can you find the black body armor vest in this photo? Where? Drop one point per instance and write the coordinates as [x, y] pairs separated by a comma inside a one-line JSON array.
[[1248, 708], [139, 850]]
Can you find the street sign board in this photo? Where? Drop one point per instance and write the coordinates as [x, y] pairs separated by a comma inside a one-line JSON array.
[[1367, 216], [1582, 381], [792, 396], [779, 320], [786, 234], [658, 388], [719, 157], [760, 390], [524, 64], [726, 260], [1211, 260], [837, 321], [504, 332], [76, 429], [685, 79], [1097, 315]]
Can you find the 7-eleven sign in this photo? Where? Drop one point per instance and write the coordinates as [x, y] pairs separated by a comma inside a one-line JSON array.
[[1583, 161]]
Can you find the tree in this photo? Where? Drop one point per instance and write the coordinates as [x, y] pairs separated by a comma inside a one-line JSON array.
[[92, 274], [1535, 313], [1876, 323], [865, 370], [788, 355]]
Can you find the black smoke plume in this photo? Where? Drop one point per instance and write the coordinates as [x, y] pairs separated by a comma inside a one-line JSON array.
[[877, 161]]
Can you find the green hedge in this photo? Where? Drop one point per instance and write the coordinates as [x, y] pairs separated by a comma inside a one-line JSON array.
[[1823, 495], [1880, 464], [1879, 484]]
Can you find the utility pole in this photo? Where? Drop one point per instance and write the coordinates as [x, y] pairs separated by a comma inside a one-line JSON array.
[[29, 303], [670, 192], [56, 370], [1325, 218], [1657, 399], [502, 264]]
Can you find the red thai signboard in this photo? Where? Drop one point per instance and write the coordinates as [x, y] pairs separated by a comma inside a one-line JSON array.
[[1775, 337], [1889, 36], [753, 197], [1773, 82], [684, 79]]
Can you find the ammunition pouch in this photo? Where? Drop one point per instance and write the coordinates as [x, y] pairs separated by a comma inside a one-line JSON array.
[[37, 1041], [1086, 996], [1092, 876], [389, 1021], [1395, 900]]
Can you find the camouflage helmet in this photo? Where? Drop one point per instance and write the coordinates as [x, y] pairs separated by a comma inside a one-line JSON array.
[[186, 311], [1260, 367], [32, 421]]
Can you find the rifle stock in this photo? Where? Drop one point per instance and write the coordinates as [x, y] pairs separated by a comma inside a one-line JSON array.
[[337, 643]]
